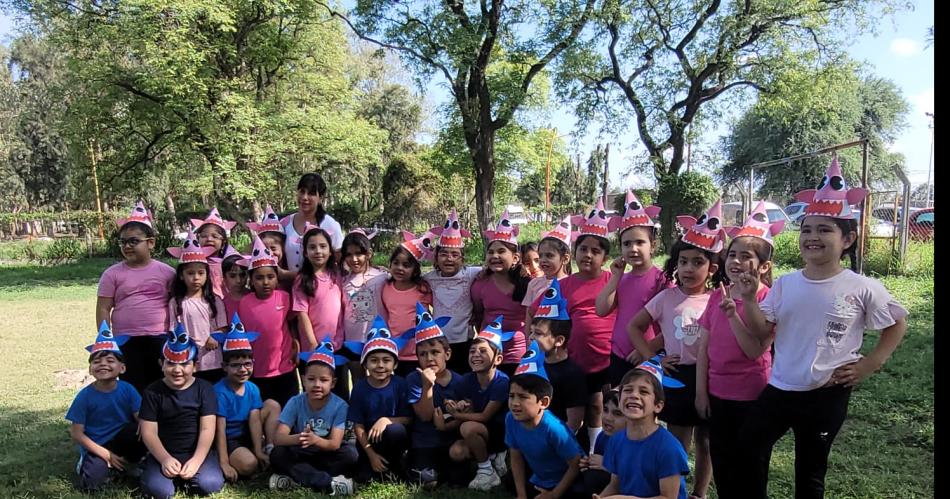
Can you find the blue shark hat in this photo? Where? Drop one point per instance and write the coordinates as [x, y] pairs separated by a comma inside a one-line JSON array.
[[553, 304], [179, 347], [106, 341], [654, 367], [323, 353], [379, 337], [426, 328], [493, 334], [533, 362], [237, 339]]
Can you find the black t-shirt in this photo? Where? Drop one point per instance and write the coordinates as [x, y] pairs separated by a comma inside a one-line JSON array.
[[178, 414], [570, 387]]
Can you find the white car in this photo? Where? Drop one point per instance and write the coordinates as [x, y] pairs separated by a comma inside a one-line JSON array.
[[732, 214]]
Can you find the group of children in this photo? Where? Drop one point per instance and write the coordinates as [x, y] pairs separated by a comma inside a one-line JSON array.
[[480, 375]]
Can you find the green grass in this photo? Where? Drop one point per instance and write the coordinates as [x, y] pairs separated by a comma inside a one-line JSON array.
[[885, 450]]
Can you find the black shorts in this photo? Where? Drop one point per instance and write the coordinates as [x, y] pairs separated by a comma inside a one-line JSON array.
[[496, 436], [596, 381], [680, 406], [279, 388], [242, 441], [618, 368]]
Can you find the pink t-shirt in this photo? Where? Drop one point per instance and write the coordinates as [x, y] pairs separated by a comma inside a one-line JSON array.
[[325, 309], [633, 292], [196, 316], [231, 305], [399, 312], [217, 279], [732, 375], [535, 288], [140, 297], [273, 350], [678, 315], [359, 307], [487, 296]]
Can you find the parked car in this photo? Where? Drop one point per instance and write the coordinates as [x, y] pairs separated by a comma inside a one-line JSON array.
[[732, 213], [921, 225], [795, 211], [516, 215]]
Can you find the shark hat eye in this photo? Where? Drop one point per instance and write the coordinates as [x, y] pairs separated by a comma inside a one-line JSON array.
[[383, 333], [448, 223], [563, 225], [139, 209], [239, 327], [495, 325], [837, 183], [713, 223], [455, 224], [426, 243], [602, 214], [426, 317], [271, 216], [824, 181], [187, 243], [328, 345], [701, 220], [267, 252], [593, 213], [182, 338], [505, 222], [106, 333], [634, 205], [759, 217], [529, 354], [550, 293], [172, 337], [256, 252]]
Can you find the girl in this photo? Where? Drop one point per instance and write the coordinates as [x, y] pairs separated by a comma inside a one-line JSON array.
[[693, 263], [359, 307], [499, 289], [628, 293], [267, 311], [731, 369], [133, 298], [817, 317], [234, 268], [213, 232], [195, 305], [554, 261], [529, 259], [311, 192], [272, 233]]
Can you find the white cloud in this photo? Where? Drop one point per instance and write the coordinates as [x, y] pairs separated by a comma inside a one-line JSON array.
[[923, 102], [905, 47]]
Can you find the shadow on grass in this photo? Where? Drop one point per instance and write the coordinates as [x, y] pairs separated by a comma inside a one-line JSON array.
[[30, 276]]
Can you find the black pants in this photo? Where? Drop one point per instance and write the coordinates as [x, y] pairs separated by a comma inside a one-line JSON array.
[[311, 467], [437, 458], [279, 388], [577, 490], [142, 355], [595, 481], [726, 420], [93, 471], [392, 445], [815, 416], [618, 368], [458, 362]]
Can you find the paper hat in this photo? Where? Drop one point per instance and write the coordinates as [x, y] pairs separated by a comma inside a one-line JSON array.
[[358, 230], [237, 339], [504, 231], [561, 231], [757, 225], [139, 214], [654, 367], [378, 338], [106, 341], [597, 222], [190, 251], [228, 253], [269, 223], [532, 362], [635, 214], [832, 198], [706, 233], [493, 334], [451, 234], [426, 328], [214, 218], [260, 256], [323, 353], [179, 347], [421, 248], [553, 304]]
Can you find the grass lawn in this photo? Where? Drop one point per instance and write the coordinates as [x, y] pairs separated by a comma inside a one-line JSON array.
[[885, 450]]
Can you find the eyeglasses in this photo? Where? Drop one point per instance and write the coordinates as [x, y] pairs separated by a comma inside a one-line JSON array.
[[246, 365], [211, 234], [132, 241]]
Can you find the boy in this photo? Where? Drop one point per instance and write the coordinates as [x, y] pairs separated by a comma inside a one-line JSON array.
[[646, 460], [537, 438], [309, 441], [177, 423], [593, 474], [379, 405], [104, 415], [481, 411]]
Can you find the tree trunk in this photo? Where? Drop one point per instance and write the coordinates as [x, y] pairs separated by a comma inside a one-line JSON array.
[[482, 149]]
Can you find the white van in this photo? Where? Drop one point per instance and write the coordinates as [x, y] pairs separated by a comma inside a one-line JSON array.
[[732, 214], [516, 214]]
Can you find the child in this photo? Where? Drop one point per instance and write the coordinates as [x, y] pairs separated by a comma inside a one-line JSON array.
[[133, 298], [537, 438], [272, 234], [267, 311], [242, 416], [194, 304], [379, 408], [359, 281], [628, 293], [500, 288], [451, 282], [309, 443], [818, 316], [551, 330], [433, 429], [530, 260], [554, 260], [645, 460], [178, 424], [104, 415], [396, 299], [234, 267], [595, 477], [732, 370], [481, 409], [318, 297], [694, 261], [213, 232]]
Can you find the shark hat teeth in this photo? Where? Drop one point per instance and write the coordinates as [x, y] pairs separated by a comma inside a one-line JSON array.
[[707, 232], [504, 231]]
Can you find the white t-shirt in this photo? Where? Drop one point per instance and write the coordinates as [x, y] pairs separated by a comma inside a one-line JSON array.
[[292, 249], [452, 297], [819, 325]]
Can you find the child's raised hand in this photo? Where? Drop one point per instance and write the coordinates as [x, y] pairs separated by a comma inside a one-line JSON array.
[[727, 305], [211, 344], [618, 266], [171, 467], [669, 362], [428, 376], [747, 283]]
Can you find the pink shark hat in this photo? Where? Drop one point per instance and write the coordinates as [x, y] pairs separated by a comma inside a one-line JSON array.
[[635, 214], [228, 253], [358, 230], [139, 214], [451, 234], [190, 251], [504, 231], [597, 222], [561, 231], [260, 256], [422, 247], [706, 233], [270, 223], [214, 218], [832, 198], [757, 225]]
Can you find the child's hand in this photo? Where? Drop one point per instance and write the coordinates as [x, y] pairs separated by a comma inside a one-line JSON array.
[[463, 406], [853, 373], [376, 432], [727, 305], [114, 460], [379, 463], [171, 467], [263, 460], [544, 493], [702, 405], [595, 462], [618, 266], [584, 463], [307, 438], [451, 406], [211, 344], [230, 474], [747, 283], [428, 377], [190, 469], [635, 358], [669, 361], [438, 419]]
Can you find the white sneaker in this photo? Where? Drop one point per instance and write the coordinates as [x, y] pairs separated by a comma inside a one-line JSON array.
[[268, 449], [485, 481], [498, 462], [341, 486], [280, 482]]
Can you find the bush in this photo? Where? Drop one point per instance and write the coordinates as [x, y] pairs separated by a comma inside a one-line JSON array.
[[63, 251], [786, 250]]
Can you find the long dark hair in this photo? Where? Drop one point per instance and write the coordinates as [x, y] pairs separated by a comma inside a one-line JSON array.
[[513, 274], [669, 268], [230, 262], [360, 241], [763, 251], [313, 183], [307, 272], [561, 248], [847, 227], [416, 276], [179, 289]]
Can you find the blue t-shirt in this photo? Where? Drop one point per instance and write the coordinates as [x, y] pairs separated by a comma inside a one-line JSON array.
[[424, 435], [104, 414], [497, 390], [600, 445], [367, 404], [640, 464], [236, 409], [297, 413], [547, 448]]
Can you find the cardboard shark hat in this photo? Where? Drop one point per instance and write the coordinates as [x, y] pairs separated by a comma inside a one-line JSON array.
[[635, 214], [190, 251], [260, 256], [179, 347], [553, 304], [532, 362], [562, 232], [832, 198], [504, 231], [451, 234], [757, 225], [655, 367], [236, 339], [213, 218], [323, 353], [597, 223], [269, 223], [493, 334], [427, 327], [706, 233], [139, 214], [421, 248], [106, 341], [378, 338]]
